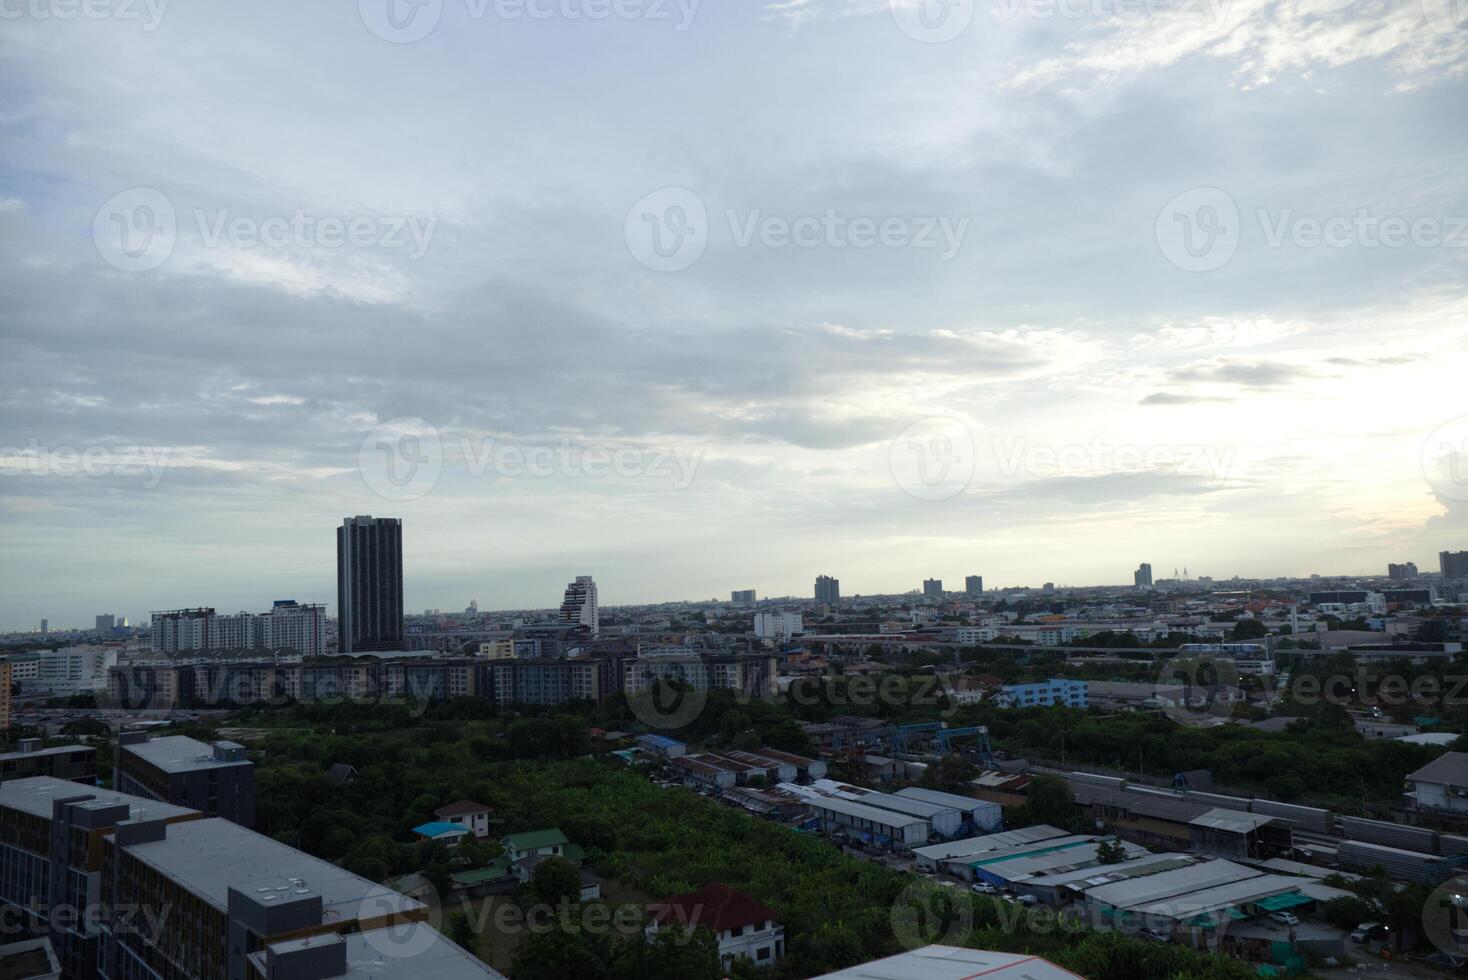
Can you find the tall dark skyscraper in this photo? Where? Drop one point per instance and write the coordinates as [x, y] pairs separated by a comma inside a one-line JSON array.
[[369, 584], [828, 590], [1454, 564], [1142, 577], [974, 585]]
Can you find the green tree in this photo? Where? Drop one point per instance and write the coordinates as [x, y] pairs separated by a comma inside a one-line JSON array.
[[1050, 800], [556, 880], [1110, 852]]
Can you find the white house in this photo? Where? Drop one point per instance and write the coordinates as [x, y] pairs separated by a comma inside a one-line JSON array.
[[472, 816], [744, 926], [1442, 784]]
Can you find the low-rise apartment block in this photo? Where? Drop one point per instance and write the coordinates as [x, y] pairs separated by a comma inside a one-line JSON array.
[[215, 779]]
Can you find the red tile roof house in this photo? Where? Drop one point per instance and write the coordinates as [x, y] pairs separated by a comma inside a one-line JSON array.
[[472, 816], [743, 925]]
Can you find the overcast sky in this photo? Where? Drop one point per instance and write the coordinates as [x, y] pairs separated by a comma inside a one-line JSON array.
[[697, 297]]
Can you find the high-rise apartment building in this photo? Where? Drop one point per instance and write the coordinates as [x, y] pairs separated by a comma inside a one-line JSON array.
[[777, 625], [1142, 577], [1454, 564], [1400, 573], [828, 590], [288, 626], [742, 597], [369, 584], [106, 622], [579, 605], [933, 588], [973, 585]]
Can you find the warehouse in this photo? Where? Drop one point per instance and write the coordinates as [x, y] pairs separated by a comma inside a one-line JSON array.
[[932, 857], [804, 768], [866, 822], [945, 821], [979, 814], [1197, 899], [1015, 873], [704, 771], [1066, 887], [1168, 821], [773, 770], [992, 866], [1399, 865]]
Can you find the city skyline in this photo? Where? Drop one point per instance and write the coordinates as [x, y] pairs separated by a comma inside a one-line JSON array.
[[453, 605], [1281, 402]]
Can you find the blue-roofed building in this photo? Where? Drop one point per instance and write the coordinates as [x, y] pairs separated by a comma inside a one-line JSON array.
[[661, 745], [1044, 694], [442, 830]]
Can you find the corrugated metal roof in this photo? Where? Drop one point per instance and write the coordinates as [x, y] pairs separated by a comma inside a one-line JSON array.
[[953, 963], [1231, 820]]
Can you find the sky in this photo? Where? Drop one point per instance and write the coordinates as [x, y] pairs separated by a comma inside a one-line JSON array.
[[702, 296]]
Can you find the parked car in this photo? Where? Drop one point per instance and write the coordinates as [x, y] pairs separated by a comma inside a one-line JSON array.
[[1284, 918], [1367, 931], [984, 888], [1152, 935]]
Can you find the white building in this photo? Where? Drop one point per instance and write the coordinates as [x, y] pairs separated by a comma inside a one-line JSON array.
[[70, 670], [1442, 784], [579, 605], [779, 626], [288, 625], [745, 927]]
